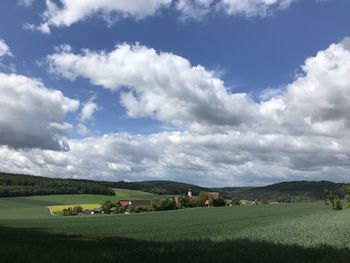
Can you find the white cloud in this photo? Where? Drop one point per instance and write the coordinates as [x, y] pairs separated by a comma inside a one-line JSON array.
[[83, 130], [88, 110], [70, 12], [194, 9], [319, 100], [66, 12], [168, 87], [32, 115], [4, 49], [251, 8], [216, 159], [299, 132]]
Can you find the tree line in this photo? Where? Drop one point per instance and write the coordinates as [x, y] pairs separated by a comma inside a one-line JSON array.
[[12, 185]]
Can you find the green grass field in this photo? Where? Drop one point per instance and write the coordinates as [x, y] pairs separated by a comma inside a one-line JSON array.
[[36, 206], [306, 232], [135, 194]]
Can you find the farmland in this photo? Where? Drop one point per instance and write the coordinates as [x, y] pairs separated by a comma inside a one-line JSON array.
[[305, 232], [36, 206]]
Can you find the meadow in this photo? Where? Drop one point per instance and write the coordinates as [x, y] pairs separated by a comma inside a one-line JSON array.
[[304, 232]]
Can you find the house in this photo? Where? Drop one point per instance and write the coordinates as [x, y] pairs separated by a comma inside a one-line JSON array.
[[192, 199], [97, 211], [127, 204], [124, 203]]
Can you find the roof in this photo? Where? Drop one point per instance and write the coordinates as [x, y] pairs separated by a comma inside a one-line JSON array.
[[141, 202], [125, 203]]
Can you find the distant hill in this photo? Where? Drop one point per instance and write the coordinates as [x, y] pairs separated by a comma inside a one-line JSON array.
[[283, 192], [286, 191], [27, 185], [158, 187]]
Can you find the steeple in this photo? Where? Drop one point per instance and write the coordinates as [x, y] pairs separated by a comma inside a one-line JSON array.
[[189, 194]]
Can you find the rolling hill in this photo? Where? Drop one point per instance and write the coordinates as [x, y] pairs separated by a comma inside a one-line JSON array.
[[25, 185], [285, 191]]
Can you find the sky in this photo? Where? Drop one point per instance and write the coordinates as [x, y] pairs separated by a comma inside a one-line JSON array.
[[209, 92]]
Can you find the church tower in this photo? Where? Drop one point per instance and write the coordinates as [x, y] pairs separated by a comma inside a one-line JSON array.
[[189, 194]]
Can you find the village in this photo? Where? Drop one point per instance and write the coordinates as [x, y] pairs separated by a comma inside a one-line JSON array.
[[188, 200]]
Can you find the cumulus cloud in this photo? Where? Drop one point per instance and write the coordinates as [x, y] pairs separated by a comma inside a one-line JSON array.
[[31, 115], [168, 88], [69, 12], [299, 132], [318, 101], [4, 49], [88, 110], [212, 160], [86, 115], [65, 12]]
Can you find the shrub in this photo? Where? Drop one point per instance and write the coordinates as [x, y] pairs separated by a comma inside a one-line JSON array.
[[338, 204], [141, 209], [235, 201], [219, 202], [77, 210], [165, 204]]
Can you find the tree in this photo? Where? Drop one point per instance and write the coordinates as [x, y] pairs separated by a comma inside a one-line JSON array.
[[219, 202], [327, 194], [338, 204], [202, 197], [334, 200], [329, 198], [183, 201], [165, 204], [346, 192], [77, 210], [235, 201]]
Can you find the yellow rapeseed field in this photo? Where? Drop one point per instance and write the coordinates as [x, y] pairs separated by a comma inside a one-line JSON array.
[[59, 208]]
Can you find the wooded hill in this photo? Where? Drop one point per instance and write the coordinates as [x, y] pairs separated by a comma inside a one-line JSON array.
[[26, 185], [284, 192], [158, 187]]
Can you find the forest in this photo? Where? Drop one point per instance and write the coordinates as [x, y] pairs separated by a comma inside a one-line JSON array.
[[12, 185]]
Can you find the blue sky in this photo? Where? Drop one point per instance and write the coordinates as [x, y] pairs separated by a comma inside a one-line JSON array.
[[249, 53]]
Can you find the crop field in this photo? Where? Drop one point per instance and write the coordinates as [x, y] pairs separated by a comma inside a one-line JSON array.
[[37, 206], [59, 208], [135, 194], [306, 232]]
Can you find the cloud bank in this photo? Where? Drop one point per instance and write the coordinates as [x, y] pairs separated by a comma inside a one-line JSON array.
[[224, 138]]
